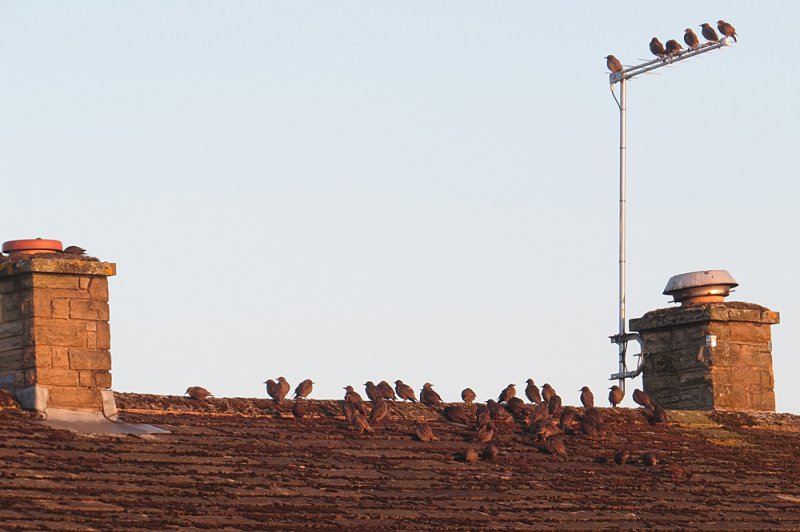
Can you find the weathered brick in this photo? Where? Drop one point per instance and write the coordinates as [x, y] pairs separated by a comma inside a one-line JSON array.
[[60, 357], [42, 306], [12, 328], [48, 280], [103, 335], [98, 288], [86, 309], [98, 359], [57, 377], [39, 356], [17, 306], [7, 286], [64, 333], [86, 377], [73, 397], [102, 379], [14, 360], [83, 282], [90, 325], [12, 342], [59, 308]]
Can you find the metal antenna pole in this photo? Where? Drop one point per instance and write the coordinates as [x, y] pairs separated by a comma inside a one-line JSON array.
[[623, 337]]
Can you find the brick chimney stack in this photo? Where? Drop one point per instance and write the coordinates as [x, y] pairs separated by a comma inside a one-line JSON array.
[[54, 333]]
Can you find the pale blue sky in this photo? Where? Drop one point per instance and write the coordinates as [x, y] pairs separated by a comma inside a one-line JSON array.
[[371, 190]]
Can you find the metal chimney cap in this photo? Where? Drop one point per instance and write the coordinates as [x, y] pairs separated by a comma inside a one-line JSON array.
[[707, 286]]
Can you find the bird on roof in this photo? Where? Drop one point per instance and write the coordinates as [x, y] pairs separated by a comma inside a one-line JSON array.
[[554, 404], [284, 386], [456, 414], [568, 417], [587, 397], [469, 455], [691, 39], [544, 428], [659, 416], [198, 392], [650, 459], [507, 393], [424, 432], [482, 416], [541, 411], [303, 389], [489, 452], [485, 434], [589, 427], [642, 399], [379, 410], [709, 33], [74, 250], [360, 423], [621, 456], [555, 444], [726, 29], [373, 392], [352, 396], [467, 395], [387, 391], [615, 396], [532, 392], [497, 412], [677, 472], [613, 64], [299, 409], [547, 392], [673, 47], [516, 406], [656, 48], [428, 396], [404, 391], [274, 390]]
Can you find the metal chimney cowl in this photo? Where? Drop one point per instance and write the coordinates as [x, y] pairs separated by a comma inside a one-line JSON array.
[[708, 286]]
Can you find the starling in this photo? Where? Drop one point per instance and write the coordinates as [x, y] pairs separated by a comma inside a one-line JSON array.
[[352, 396], [485, 434], [273, 390], [613, 64], [467, 395], [360, 423], [516, 406], [708, 33], [497, 412], [659, 416], [587, 397], [74, 250], [677, 472], [568, 416], [547, 392], [673, 47], [532, 392], [650, 459], [555, 444], [284, 387], [456, 414], [404, 391], [428, 396], [299, 409], [198, 392], [348, 410], [589, 427], [643, 399], [507, 393], [541, 411], [482, 416], [554, 404], [373, 392], [379, 410], [470, 455], [615, 395], [387, 391], [691, 39], [621, 457], [595, 415], [303, 389], [424, 433], [489, 452], [545, 429], [657, 48], [726, 29]]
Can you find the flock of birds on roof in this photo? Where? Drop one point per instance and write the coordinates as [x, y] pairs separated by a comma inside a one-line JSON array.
[[543, 418], [673, 47]]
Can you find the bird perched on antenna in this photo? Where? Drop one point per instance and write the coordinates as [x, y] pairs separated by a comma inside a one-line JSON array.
[[656, 48], [673, 47], [613, 64], [691, 39], [726, 29], [708, 32]]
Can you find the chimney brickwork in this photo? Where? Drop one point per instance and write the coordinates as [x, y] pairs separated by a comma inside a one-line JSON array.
[[709, 356], [54, 333]]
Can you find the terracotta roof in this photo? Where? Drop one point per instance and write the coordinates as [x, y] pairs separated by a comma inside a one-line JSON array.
[[246, 464]]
